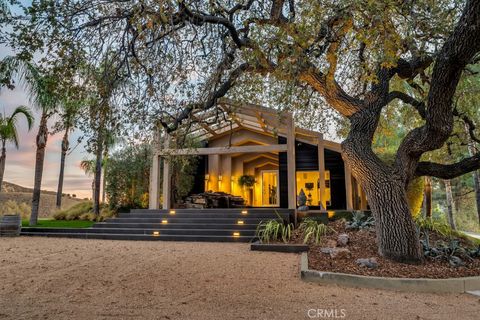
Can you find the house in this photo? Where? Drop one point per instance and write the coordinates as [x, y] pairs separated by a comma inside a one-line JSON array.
[[241, 139]]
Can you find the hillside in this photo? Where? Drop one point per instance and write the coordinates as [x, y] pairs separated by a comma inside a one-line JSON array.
[[18, 199]]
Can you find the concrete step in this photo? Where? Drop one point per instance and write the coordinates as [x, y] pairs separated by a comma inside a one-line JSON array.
[[184, 220], [215, 210], [235, 215], [170, 231], [179, 225], [160, 237]]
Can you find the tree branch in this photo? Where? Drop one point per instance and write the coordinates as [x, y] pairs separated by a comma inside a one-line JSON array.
[[448, 171], [418, 105]]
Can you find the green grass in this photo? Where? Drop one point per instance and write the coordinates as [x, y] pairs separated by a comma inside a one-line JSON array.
[[49, 223]]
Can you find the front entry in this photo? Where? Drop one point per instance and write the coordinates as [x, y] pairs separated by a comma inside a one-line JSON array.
[[270, 191]]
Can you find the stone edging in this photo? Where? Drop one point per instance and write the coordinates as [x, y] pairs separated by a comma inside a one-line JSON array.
[[451, 285]]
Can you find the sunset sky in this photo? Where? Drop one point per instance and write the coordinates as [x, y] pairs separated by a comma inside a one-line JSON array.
[[20, 164]]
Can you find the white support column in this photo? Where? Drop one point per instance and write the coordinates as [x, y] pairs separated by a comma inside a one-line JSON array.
[[167, 181], [321, 169], [291, 171], [213, 171], [226, 172], [154, 192], [348, 186]]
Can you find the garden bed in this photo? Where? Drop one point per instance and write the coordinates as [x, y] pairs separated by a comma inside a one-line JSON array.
[[362, 245], [279, 247]]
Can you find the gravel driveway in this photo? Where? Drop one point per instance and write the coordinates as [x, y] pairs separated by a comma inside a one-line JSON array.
[[47, 278]]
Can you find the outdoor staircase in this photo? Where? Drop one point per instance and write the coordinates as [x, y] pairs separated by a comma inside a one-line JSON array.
[[213, 225]]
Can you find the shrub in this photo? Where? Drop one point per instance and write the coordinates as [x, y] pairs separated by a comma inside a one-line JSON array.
[[84, 211], [13, 207], [360, 221], [313, 229], [430, 224], [272, 230]]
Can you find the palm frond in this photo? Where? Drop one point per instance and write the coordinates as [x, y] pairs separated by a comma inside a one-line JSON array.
[[24, 111]]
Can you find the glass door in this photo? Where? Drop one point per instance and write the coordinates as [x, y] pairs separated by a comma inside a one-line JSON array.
[[270, 196]]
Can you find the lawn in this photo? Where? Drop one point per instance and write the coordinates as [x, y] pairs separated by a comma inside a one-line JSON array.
[[50, 223]]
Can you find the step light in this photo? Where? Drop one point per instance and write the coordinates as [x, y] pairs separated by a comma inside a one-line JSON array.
[[236, 234], [244, 211], [156, 233], [240, 222], [164, 221], [172, 211]]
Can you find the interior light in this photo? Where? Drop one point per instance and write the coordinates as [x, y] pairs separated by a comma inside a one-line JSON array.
[[207, 177], [220, 178]]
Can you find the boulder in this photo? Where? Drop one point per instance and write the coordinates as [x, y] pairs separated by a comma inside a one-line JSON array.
[[336, 252], [342, 240], [370, 263]]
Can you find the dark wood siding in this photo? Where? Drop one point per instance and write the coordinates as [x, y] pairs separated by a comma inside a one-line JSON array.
[[306, 159]]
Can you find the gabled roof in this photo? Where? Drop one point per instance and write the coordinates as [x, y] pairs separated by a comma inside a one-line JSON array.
[[232, 116]]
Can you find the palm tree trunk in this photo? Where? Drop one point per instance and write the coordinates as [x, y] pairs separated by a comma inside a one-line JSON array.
[[65, 145], [3, 158], [450, 204], [39, 159], [104, 181], [98, 174]]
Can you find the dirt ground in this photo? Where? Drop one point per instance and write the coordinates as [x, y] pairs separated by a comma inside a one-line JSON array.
[[51, 278]]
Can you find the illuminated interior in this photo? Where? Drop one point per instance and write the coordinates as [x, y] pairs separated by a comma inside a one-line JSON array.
[[309, 181], [270, 192]]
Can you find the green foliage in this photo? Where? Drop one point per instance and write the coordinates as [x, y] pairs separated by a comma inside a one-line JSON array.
[[83, 212], [48, 223], [431, 224], [127, 177], [246, 181], [360, 221], [13, 207], [415, 192], [8, 124], [273, 230], [452, 252], [313, 230]]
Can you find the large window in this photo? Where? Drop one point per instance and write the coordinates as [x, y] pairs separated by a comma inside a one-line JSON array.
[[309, 181]]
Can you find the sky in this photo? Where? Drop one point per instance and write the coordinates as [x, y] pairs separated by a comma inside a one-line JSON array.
[[20, 164]]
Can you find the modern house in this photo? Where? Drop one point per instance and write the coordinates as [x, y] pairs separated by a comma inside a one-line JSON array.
[[265, 144]]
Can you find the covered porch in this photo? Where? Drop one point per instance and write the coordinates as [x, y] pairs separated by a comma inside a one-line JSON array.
[[264, 146]]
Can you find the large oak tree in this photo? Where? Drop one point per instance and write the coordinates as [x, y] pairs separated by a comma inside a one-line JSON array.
[[188, 54]]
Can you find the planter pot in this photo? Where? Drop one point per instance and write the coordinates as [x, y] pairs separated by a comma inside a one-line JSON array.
[[10, 225]]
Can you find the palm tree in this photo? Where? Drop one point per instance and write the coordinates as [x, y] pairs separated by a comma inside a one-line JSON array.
[[8, 133], [69, 114], [89, 167], [42, 89]]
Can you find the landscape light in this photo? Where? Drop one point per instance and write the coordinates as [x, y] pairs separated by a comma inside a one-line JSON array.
[[172, 211], [236, 234], [164, 221], [244, 211], [240, 222], [156, 233]]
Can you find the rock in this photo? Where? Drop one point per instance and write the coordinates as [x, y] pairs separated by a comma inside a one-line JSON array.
[[331, 243], [336, 252], [342, 240], [370, 263]]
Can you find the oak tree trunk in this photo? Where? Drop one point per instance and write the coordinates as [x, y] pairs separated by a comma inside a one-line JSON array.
[[450, 204], [65, 145], [39, 159], [397, 235], [3, 158]]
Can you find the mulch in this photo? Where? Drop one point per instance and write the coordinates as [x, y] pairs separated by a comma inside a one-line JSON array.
[[362, 244]]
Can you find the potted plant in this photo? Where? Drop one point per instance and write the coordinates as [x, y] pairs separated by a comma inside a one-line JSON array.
[[247, 181]]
